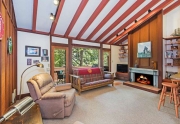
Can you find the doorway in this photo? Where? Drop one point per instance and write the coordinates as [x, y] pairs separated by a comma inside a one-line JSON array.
[[59, 64], [106, 60]]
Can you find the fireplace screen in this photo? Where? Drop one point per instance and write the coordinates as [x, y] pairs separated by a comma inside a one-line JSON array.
[[144, 78]]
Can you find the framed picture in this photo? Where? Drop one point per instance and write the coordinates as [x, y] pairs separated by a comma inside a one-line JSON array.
[[29, 61], [44, 52], [35, 61], [44, 59], [32, 51], [144, 50]]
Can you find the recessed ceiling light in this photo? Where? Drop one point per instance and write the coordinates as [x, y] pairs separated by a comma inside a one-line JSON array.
[[56, 2], [51, 16]]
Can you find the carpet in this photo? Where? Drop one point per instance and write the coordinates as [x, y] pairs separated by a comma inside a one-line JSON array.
[[119, 105]]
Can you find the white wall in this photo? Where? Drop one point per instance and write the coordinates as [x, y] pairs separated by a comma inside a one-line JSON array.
[[114, 58], [30, 39], [171, 21]]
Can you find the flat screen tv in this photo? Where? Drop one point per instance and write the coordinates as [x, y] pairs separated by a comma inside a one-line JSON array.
[[144, 50], [122, 68]]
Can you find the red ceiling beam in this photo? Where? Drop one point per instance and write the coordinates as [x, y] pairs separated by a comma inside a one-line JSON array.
[[109, 15], [152, 13], [76, 16], [123, 16], [35, 6], [58, 12], [93, 17], [174, 5], [142, 11], [30, 31], [121, 40]]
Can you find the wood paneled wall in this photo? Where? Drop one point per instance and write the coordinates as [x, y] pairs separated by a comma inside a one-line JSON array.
[[8, 62], [151, 30]]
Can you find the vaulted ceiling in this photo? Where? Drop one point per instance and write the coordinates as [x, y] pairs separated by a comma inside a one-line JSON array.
[[104, 21]]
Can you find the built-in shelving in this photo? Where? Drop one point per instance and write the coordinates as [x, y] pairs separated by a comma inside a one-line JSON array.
[[123, 51]]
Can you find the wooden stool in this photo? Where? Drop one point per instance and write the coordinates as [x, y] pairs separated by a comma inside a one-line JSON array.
[[175, 81], [175, 96]]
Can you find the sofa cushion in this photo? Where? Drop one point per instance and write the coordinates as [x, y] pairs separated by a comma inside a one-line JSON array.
[[96, 82], [70, 94]]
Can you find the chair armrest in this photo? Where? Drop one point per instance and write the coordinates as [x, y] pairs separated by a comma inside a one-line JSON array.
[[54, 95], [61, 87], [75, 76]]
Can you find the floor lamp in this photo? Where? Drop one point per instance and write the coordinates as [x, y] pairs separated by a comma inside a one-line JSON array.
[[38, 65]]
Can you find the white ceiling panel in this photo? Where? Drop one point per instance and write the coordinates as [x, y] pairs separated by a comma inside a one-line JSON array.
[[43, 22], [170, 4], [23, 12], [84, 17], [114, 18], [99, 18], [67, 14], [127, 18], [161, 1]]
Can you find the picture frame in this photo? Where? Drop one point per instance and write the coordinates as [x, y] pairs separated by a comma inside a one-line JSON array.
[[44, 52], [144, 50], [44, 59], [32, 51]]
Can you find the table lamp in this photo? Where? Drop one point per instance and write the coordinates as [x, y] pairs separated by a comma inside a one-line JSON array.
[[21, 107], [38, 65]]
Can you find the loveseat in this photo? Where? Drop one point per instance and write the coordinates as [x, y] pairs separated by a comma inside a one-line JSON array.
[[84, 79], [56, 101]]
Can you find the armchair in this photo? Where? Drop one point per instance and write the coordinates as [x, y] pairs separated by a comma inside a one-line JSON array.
[[55, 101]]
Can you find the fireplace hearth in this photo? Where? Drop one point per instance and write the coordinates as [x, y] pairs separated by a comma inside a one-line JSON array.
[[144, 79], [144, 76]]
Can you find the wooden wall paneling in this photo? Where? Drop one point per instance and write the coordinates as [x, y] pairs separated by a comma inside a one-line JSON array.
[[8, 63], [8, 85], [135, 39], [144, 37], [153, 38], [3, 67], [160, 46]]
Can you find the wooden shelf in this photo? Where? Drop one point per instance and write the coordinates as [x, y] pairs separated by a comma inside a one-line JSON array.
[[172, 44], [172, 58], [171, 38]]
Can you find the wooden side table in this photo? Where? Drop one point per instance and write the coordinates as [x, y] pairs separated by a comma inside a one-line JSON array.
[[32, 116]]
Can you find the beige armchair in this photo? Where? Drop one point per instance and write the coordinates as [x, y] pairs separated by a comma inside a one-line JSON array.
[[55, 101]]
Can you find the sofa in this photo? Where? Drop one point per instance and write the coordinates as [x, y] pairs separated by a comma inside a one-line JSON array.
[[84, 79], [55, 101]]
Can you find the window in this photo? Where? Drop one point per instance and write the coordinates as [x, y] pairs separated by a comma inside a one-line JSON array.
[[85, 57]]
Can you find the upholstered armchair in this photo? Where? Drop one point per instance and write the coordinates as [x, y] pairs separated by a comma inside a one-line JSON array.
[[55, 101]]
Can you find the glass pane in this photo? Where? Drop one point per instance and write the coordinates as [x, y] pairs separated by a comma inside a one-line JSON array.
[[85, 57], [59, 65], [106, 60]]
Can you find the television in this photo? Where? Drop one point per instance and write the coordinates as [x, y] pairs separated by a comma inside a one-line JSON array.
[[122, 68], [144, 50]]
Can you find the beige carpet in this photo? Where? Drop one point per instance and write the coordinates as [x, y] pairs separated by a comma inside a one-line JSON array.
[[119, 105]]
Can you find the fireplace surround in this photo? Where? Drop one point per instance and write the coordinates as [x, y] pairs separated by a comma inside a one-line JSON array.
[[152, 72]]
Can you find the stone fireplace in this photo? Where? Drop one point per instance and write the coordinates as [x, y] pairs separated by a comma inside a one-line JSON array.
[[143, 75]]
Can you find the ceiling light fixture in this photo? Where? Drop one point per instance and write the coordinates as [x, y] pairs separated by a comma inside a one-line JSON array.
[[56, 2], [149, 11], [51, 16]]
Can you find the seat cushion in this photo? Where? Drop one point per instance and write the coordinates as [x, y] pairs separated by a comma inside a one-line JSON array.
[[70, 94], [96, 82]]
